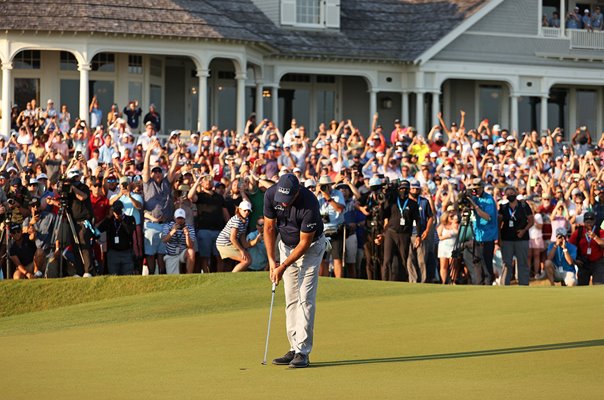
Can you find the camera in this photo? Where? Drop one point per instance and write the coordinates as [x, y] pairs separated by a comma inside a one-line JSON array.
[[325, 188], [11, 202]]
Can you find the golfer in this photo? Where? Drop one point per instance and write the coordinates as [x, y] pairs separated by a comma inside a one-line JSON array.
[[293, 211]]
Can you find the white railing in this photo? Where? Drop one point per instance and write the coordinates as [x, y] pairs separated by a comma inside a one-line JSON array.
[[550, 32], [584, 39]]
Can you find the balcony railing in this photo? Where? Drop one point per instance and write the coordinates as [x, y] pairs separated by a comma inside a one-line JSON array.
[[579, 38], [584, 39], [550, 32]]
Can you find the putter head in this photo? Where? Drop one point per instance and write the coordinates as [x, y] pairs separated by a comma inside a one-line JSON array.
[[263, 363]]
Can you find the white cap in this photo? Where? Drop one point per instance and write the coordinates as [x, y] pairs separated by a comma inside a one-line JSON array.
[[444, 150], [496, 127], [476, 145], [433, 155], [41, 176], [501, 140], [379, 154], [261, 151], [296, 169], [174, 133], [575, 192], [448, 168], [115, 155], [490, 147], [245, 205], [180, 213], [194, 134], [310, 182], [271, 148], [73, 173], [33, 181], [287, 144]]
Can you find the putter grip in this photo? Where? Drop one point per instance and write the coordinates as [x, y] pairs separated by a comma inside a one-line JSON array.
[[274, 287]]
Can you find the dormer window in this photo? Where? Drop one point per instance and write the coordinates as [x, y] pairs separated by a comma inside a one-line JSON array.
[[311, 13]]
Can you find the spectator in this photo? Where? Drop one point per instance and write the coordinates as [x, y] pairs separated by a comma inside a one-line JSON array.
[[22, 253], [119, 228], [447, 234], [96, 114], [560, 263], [153, 117], [257, 248], [589, 240], [133, 113], [516, 218], [331, 206], [179, 238], [231, 241]]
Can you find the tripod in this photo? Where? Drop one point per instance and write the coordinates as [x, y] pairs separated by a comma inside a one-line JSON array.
[[5, 237], [62, 216], [465, 227]]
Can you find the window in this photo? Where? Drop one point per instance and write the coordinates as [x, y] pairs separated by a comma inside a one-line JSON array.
[[135, 64], [156, 67], [68, 61], [104, 62], [27, 59], [311, 13], [25, 90], [308, 11]]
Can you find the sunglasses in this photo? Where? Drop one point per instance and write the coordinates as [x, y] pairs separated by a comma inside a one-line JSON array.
[[259, 225]]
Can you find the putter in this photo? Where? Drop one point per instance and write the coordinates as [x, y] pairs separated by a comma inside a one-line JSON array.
[[270, 316]]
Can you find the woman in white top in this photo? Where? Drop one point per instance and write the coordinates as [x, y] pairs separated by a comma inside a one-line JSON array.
[[447, 232], [536, 245], [231, 242], [64, 119]]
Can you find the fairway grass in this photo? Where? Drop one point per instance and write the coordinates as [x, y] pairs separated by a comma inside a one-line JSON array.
[[202, 337]]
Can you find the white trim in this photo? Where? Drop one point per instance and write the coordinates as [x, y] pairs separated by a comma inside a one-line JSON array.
[[512, 35], [455, 33]]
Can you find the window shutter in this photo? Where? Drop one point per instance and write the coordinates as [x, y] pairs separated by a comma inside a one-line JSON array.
[[288, 12], [332, 13]]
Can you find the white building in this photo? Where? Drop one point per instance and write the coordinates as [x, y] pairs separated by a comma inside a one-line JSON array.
[[215, 61]]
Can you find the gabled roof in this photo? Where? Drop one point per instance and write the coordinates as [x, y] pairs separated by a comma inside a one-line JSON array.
[[390, 30]]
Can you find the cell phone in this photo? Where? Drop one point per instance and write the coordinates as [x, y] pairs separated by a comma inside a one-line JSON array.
[[78, 154]]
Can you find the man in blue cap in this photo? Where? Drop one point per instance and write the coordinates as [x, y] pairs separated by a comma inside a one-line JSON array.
[[293, 211]]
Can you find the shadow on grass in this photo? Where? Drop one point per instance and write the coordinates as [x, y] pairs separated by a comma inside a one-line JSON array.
[[465, 354]]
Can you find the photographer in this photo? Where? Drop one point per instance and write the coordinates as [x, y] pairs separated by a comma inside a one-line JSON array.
[[485, 227], [119, 228], [400, 215], [76, 198], [39, 228], [418, 256], [589, 240], [331, 206], [372, 206], [178, 238], [22, 254], [560, 263]]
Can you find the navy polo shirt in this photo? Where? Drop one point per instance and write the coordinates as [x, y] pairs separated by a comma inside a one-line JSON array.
[[302, 216]]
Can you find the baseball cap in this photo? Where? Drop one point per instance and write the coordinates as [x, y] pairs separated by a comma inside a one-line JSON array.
[[444, 150], [33, 181], [561, 232], [245, 205], [157, 168], [375, 181], [124, 179], [490, 147], [589, 216], [72, 173], [496, 127], [42, 176], [149, 123], [35, 201], [404, 184], [397, 121], [433, 155], [415, 185], [180, 213], [310, 183], [438, 135], [287, 188], [174, 133], [476, 145]]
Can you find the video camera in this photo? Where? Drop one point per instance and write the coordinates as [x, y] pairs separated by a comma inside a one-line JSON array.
[[64, 189]]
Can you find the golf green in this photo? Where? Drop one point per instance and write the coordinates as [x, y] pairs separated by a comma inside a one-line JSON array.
[[204, 338]]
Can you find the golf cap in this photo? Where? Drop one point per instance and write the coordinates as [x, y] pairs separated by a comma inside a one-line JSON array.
[[287, 188], [443, 150], [490, 147], [180, 213], [325, 180], [438, 135], [33, 181], [404, 185], [375, 181], [496, 127], [11, 169], [310, 183], [41, 176], [448, 168], [194, 135], [174, 133], [157, 168], [72, 173], [589, 216], [149, 123], [245, 205], [206, 138], [476, 145], [561, 232], [118, 206], [433, 155], [296, 169], [124, 179], [415, 185], [16, 228]]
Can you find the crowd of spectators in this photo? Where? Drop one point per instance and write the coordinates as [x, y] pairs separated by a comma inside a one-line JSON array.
[[397, 204], [576, 20]]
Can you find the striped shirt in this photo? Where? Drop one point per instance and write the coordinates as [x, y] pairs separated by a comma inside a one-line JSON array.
[[224, 238], [178, 242]]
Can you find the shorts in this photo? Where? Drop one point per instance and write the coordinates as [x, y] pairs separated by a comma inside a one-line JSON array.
[[173, 262], [568, 277], [337, 243], [206, 243], [152, 239], [351, 249], [228, 251]]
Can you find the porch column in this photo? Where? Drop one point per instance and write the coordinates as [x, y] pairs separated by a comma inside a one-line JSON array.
[[84, 91], [7, 89], [435, 108], [562, 18], [514, 112], [372, 106], [240, 102], [275, 104], [599, 116], [543, 124], [572, 113], [419, 113], [405, 109], [202, 103], [259, 101]]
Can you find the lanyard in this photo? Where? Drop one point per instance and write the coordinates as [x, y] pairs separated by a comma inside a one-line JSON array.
[[398, 203], [588, 238], [117, 227], [512, 214]]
